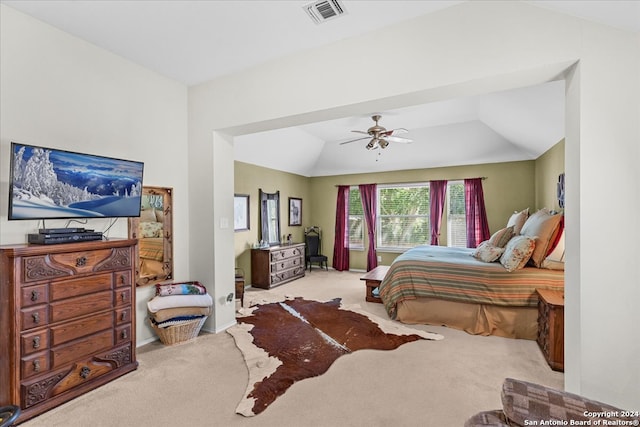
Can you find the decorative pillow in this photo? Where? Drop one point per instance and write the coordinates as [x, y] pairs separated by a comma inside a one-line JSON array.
[[541, 226], [557, 235], [555, 260], [150, 229], [159, 215], [517, 252], [501, 237], [517, 220], [147, 215], [487, 252]]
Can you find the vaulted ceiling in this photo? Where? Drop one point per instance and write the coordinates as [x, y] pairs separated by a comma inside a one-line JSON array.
[[195, 41]]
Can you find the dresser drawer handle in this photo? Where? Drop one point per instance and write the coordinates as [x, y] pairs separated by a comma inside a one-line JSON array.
[[81, 261], [123, 316], [35, 295], [36, 317], [124, 296], [36, 342], [123, 334], [36, 365], [85, 372]]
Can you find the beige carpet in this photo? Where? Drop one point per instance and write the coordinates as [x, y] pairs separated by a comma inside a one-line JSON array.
[[201, 383]]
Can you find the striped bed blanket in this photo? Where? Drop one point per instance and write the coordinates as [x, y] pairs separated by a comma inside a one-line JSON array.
[[453, 274]]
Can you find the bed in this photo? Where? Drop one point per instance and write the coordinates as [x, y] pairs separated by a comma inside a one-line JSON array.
[[456, 287]]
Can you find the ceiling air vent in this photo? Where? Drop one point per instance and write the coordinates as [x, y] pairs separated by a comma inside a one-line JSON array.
[[323, 10]]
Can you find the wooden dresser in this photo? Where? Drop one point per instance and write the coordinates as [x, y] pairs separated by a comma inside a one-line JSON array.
[[276, 265], [551, 327], [67, 321]]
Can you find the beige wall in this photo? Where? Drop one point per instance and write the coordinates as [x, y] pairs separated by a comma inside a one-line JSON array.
[[548, 167], [248, 179], [507, 187]]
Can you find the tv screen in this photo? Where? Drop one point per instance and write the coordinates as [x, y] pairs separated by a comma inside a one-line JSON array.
[[46, 183]]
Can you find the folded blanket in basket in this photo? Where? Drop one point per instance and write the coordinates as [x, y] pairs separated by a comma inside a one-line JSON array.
[[169, 313], [186, 288], [158, 303], [175, 321]]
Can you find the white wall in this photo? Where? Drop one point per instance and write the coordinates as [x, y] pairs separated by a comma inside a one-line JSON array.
[[59, 91], [472, 48]]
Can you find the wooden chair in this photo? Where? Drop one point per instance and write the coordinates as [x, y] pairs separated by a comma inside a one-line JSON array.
[[313, 240]]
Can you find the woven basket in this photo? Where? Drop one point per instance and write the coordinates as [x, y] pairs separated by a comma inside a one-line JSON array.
[[181, 333]]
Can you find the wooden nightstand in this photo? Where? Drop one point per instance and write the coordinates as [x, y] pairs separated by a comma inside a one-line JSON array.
[[551, 327]]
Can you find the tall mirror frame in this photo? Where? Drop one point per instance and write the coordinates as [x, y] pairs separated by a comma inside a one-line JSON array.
[[270, 217], [154, 231]]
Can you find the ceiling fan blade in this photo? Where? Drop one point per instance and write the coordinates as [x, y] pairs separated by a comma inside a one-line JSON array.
[[394, 131], [397, 139], [360, 131], [354, 140]]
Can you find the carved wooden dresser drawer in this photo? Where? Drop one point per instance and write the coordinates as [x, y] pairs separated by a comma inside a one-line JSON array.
[[70, 321], [277, 265]]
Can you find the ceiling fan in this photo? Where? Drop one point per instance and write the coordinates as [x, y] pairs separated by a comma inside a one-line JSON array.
[[380, 137]]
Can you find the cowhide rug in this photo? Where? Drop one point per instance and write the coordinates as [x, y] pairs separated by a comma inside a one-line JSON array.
[[288, 341]]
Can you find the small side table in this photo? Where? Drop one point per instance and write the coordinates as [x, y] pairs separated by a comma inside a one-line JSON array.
[[240, 287], [551, 327], [372, 280]]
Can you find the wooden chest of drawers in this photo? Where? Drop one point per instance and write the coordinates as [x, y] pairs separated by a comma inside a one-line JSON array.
[[67, 321], [551, 327], [277, 265]]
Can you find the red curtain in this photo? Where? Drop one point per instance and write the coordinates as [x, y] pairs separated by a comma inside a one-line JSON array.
[[368, 196], [477, 224], [437, 194], [341, 242]]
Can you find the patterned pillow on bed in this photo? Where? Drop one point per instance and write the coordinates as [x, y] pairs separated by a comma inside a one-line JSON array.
[[501, 237], [150, 229], [517, 252], [487, 252], [517, 220]]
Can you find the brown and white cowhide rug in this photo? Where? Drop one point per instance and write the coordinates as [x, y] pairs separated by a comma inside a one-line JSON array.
[[288, 341]]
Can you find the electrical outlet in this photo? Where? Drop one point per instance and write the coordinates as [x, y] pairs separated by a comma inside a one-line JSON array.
[[379, 258]]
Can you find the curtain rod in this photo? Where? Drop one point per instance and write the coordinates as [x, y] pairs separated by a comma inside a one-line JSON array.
[[412, 182]]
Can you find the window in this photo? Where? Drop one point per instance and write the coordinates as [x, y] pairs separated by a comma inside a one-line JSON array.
[[403, 216], [456, 219], [356, 219]]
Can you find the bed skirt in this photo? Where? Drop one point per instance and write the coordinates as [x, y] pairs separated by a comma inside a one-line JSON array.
[[476, 319]]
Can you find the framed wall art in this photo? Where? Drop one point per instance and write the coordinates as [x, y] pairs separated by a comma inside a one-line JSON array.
[[240, 212], [295, 211]]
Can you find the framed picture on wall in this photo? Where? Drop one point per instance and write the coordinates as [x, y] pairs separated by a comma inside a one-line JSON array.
[[295, 211], [240, 212]]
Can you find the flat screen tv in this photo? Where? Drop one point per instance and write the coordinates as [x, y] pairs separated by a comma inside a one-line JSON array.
[[46, 183]]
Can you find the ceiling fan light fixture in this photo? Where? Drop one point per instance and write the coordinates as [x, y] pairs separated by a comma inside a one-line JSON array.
[[380, 137]]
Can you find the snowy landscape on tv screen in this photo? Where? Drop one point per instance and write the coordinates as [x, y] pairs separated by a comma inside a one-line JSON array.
[[48, 183]]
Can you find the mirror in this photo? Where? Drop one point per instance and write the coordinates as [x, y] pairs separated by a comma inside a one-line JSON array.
[[270, 217], [153, 229]]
